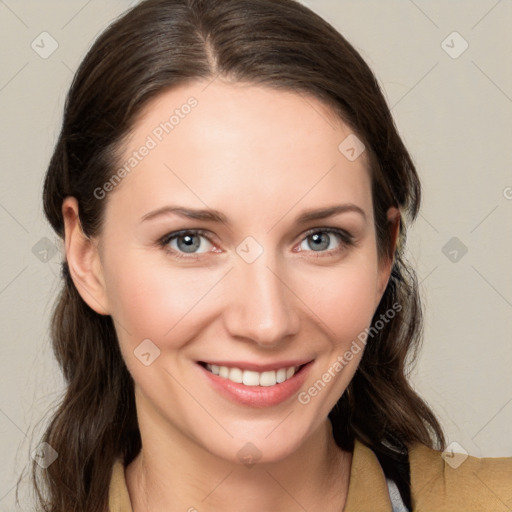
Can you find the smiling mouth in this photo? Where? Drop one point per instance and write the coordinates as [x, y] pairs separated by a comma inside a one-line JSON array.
[[253, 378]]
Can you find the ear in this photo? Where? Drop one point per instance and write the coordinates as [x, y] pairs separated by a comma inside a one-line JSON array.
[[83, 259], [385, 266]]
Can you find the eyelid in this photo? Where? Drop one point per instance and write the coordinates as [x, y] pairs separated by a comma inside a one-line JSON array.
[[327, 229], [174, 234], [347, 239], [166, 239]]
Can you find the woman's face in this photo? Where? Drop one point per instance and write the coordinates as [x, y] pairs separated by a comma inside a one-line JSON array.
[[275, 266]]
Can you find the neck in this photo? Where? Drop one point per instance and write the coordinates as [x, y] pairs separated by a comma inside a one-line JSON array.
[[174, 473]]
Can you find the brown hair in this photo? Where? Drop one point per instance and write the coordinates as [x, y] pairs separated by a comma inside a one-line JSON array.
[[158, 45]]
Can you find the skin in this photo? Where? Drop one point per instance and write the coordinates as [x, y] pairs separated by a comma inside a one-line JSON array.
[[261, 157]]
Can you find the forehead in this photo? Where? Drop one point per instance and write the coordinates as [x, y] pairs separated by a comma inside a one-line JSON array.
[[227, 145]]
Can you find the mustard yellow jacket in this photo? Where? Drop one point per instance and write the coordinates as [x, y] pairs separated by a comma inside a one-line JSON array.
[[476, 485]]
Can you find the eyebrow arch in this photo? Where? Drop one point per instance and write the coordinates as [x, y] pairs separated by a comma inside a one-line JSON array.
[[322, 213], [190, 213], [216, 216]]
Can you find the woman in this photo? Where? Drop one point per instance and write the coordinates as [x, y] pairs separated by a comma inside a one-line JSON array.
[[237, 314]]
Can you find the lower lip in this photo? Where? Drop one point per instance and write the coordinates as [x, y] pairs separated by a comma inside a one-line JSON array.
[[258, 396]]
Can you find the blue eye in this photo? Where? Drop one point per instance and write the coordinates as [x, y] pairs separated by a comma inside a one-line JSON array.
[[187, 242], [325, 240]]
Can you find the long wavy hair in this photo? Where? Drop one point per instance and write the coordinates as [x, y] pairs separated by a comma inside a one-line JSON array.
[[154, 47]]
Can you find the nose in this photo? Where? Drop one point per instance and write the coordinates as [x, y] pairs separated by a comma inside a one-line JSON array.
[[261, 304]]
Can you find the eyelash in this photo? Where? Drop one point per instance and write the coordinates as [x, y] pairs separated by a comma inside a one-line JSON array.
[[346, 241]]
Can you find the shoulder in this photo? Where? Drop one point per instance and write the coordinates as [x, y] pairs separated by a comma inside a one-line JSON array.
[[459, 482]]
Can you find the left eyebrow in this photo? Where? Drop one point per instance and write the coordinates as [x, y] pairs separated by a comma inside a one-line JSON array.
[[322, 213]]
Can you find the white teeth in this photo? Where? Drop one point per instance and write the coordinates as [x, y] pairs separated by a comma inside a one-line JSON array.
[[281, 375], [236, 375], [252, 378], [268, 378]]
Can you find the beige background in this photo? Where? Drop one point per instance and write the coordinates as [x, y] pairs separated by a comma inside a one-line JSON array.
[[455, 115]]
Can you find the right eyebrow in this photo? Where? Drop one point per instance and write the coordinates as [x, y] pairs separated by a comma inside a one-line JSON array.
[[190, 213]]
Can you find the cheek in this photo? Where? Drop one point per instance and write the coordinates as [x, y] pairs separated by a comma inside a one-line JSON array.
[[343, 300], [344, 304], [152, 300]]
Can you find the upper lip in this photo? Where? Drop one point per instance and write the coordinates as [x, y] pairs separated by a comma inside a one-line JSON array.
[[245, 365]]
